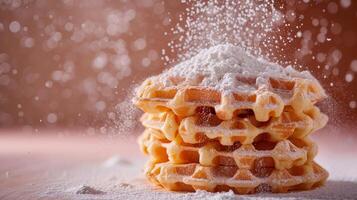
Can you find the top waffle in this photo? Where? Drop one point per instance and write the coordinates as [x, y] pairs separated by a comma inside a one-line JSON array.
[[229, 80]]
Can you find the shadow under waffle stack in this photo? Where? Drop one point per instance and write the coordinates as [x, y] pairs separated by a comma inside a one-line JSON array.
[[243, 128]]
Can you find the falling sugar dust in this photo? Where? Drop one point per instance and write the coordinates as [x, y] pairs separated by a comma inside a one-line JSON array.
[[269, 30], [251, 25]]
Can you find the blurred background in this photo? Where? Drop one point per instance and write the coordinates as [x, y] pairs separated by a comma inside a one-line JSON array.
[[69, 67], [73, 63]]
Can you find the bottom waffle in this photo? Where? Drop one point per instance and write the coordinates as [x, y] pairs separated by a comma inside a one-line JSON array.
[[192, 177]]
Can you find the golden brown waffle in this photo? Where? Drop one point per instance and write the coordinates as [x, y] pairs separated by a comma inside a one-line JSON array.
[[166, 122], [268, 101], [280, 155], [203, 127], [191, 177], [224, 119]]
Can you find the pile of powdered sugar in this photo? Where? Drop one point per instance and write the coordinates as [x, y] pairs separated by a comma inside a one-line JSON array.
[[250, 24], [218, 67]]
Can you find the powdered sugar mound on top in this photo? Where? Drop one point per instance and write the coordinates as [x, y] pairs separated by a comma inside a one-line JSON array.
[[219, 66]]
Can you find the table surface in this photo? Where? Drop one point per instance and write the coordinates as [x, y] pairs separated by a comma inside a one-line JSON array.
[[55, 166]]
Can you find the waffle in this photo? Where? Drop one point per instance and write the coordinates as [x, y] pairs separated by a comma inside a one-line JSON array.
[[225, 119], [191, 177], [266, 101], [202, 127], [281, 155], [166, 122]]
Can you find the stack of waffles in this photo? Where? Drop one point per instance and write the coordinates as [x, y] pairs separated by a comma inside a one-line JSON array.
[[202, 138]]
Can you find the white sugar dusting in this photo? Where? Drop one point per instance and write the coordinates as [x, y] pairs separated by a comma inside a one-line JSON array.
[[211, 196], [220, 65], [283, 32], [252, 25], [114, 161], [123, 119], [88, 190]]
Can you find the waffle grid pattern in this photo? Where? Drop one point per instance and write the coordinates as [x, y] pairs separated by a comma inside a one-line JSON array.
[[281, 155], [199, 138], [266, 102]]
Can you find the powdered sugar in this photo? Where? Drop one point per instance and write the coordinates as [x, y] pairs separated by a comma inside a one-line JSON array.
[[205, 23], [210, 196], [219, 66], [88, 190]]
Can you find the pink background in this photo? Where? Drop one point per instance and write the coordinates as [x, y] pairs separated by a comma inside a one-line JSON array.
[[71, 62]]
